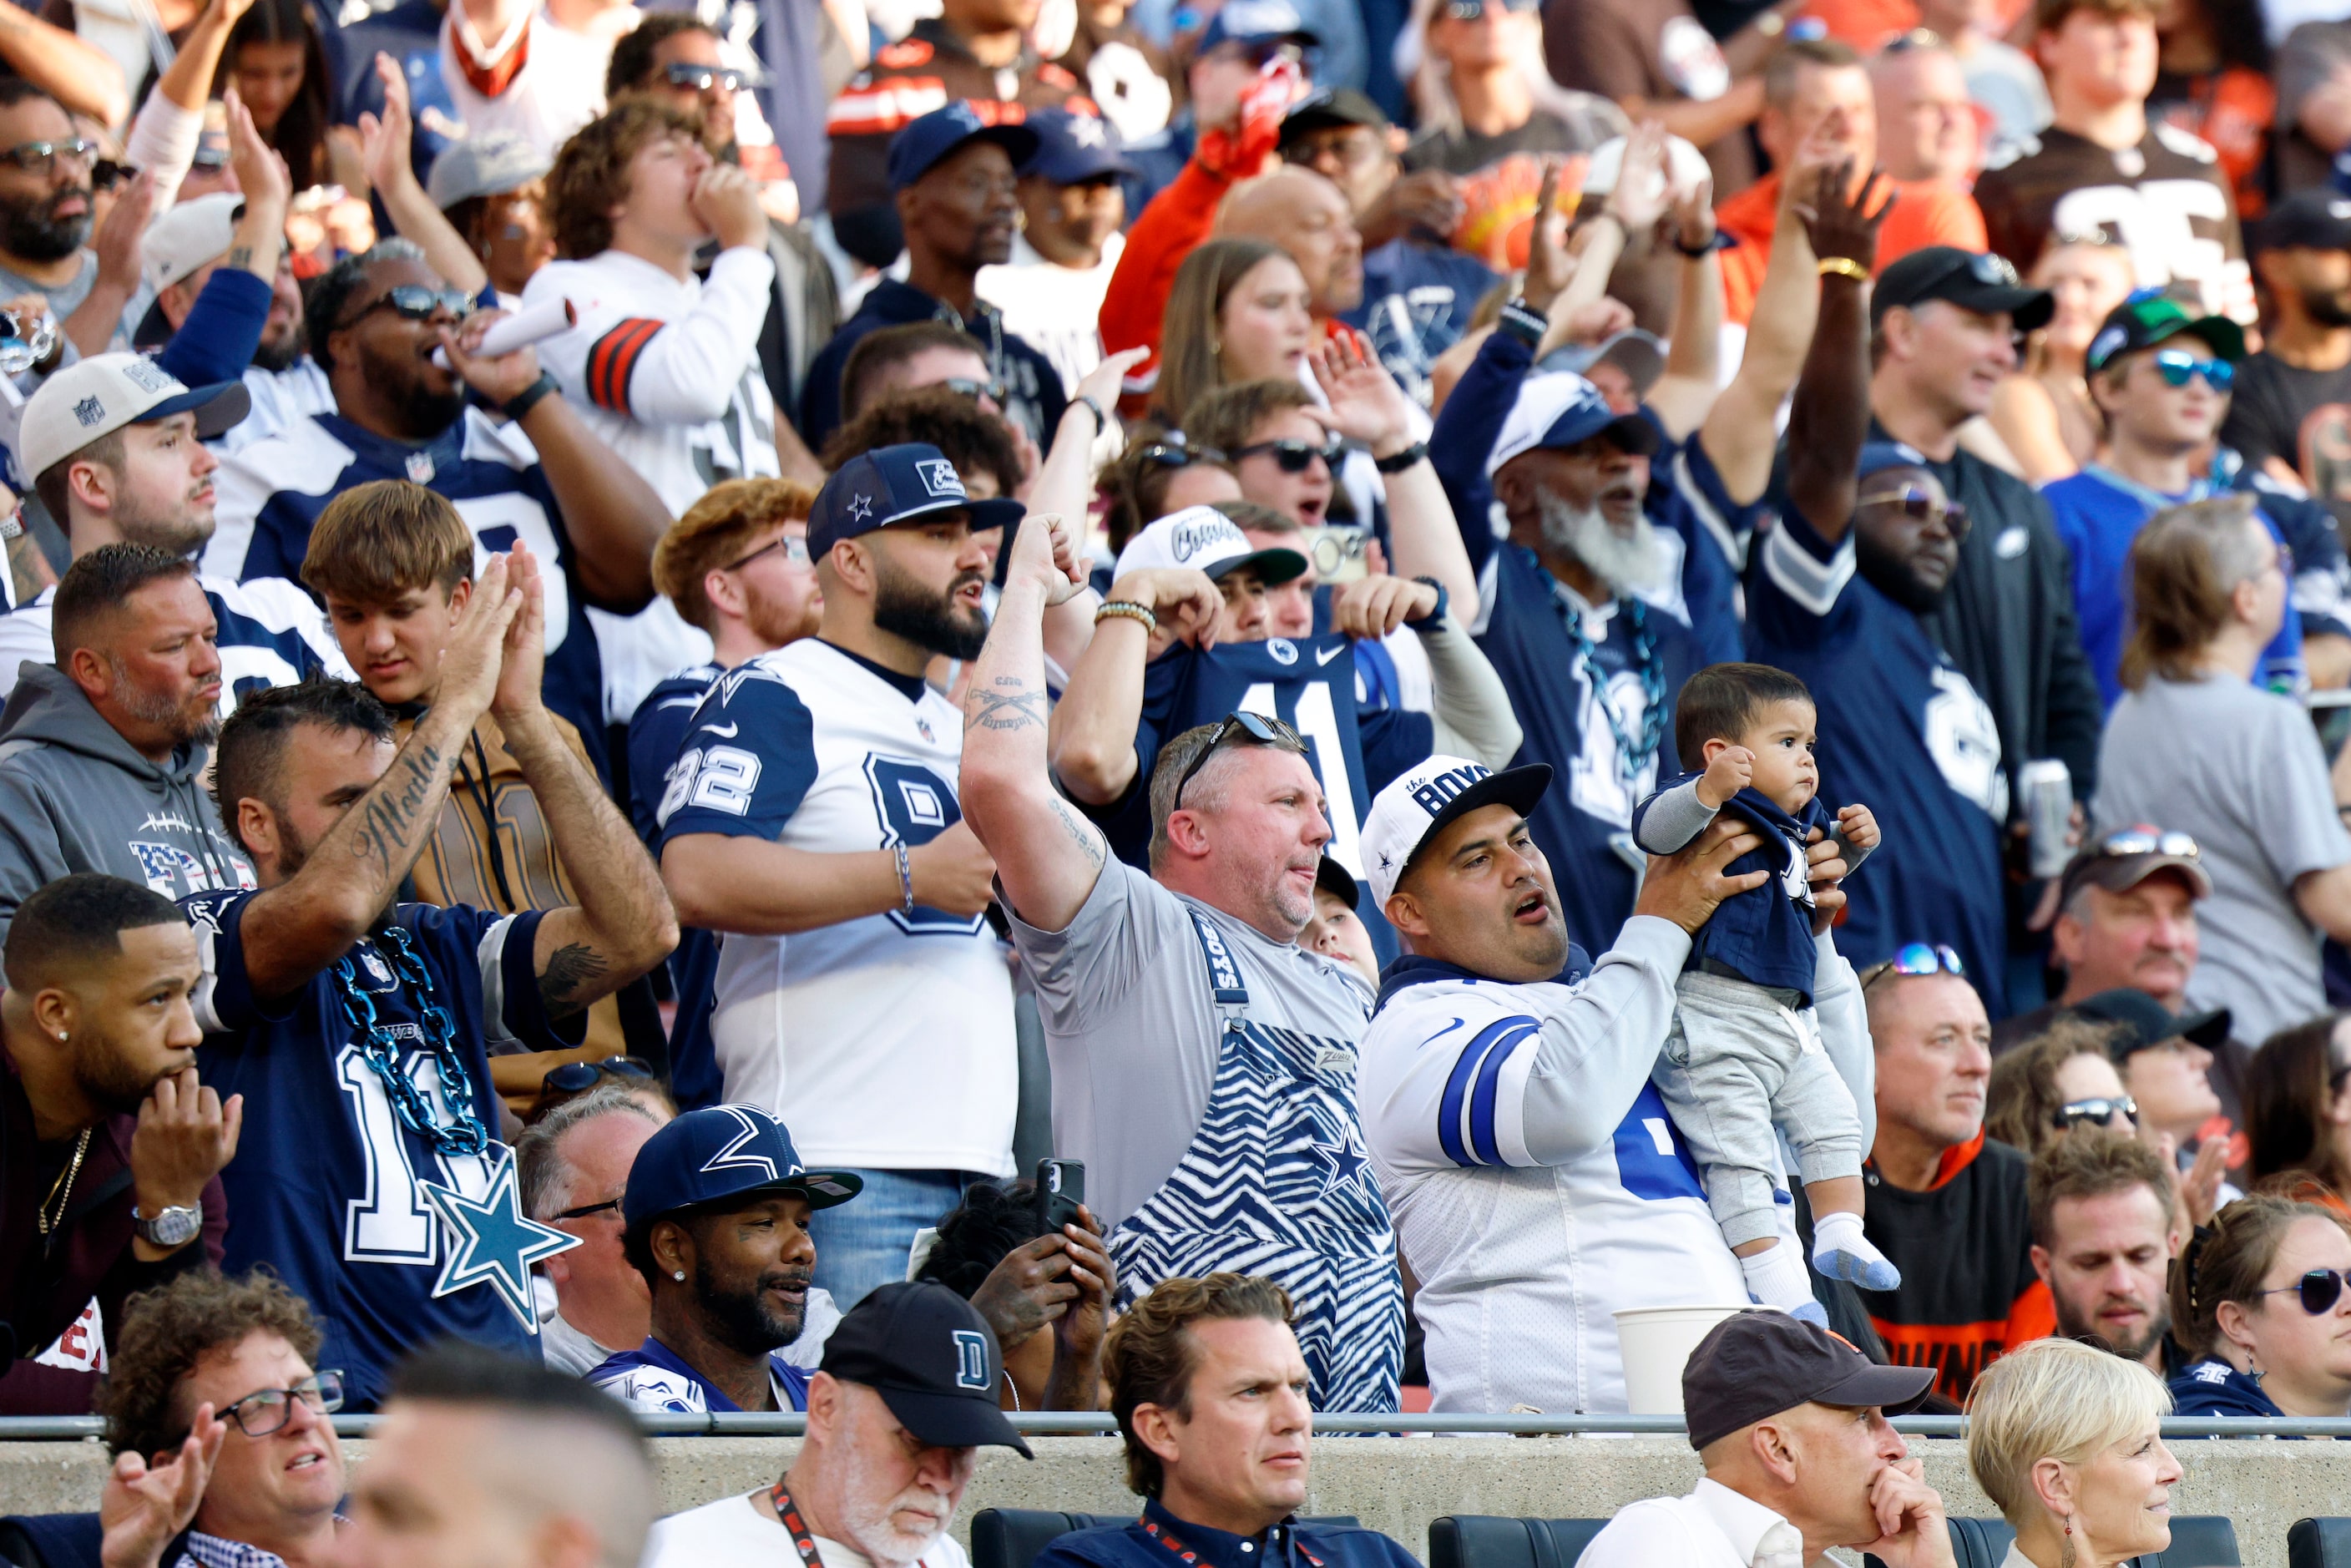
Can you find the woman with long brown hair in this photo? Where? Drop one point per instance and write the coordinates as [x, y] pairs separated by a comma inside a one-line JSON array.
[[1237, 312], [2298, 1112]]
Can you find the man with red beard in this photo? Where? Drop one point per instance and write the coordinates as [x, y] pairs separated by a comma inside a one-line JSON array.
[[2102, 1215]]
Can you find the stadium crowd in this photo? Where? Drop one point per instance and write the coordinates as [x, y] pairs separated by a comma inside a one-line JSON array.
[[897, 708]]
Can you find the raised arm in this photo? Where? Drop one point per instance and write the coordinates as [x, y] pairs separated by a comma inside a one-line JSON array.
[[1064, 487], [1092, 729], [293, 931], [1423, 540], [385, 150], [163, 136], [217, 339], [613, 516], [1693, 374], [1048, 857], [80, 76], [1830, 416], [622, 925], [92, 327]]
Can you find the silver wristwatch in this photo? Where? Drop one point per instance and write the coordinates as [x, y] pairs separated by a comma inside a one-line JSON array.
[[173, 1227]]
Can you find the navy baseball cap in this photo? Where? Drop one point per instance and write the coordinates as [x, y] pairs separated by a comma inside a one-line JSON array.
[[1073, 149], [895, 485], [1256, 22], [1560, 409], [920, 144], [932, 1358], [724, 1151], [1878, 455]]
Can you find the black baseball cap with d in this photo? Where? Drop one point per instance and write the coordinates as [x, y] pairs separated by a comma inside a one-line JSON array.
[[1972, 280], [932, 1358], [1755, 1365]]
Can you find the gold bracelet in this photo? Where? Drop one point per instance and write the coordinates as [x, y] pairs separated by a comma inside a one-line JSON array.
[[1843, 266], [1127, 610]]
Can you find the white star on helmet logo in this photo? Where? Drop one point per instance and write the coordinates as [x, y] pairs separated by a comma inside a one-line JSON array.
[[861, 507]]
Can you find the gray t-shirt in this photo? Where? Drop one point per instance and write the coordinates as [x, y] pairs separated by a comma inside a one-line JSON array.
[[64, 299], [2240, 769], [1133, 1032]]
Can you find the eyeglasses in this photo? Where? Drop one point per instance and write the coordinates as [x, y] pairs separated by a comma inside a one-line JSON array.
[[1917, 958], [795, 550], [966, 387], [2093, 1112], [585, 1209], [2142, 840], [1470, 10], [1254, 728], [106, 173], [414, 302], [1293, 455], [574, 1077], [41, 157], [1920, 506], [2319, 1289], [268, 1410], [702, 78], [2178, 365]]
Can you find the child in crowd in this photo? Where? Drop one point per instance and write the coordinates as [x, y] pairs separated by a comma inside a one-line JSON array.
[[1745, 1050]]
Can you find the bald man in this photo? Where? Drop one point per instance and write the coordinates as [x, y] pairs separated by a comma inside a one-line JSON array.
[[1308, 216], [485, 1462], [1926, 126]]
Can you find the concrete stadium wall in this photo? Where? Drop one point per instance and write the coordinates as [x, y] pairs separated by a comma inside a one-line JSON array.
[[1395, 1485]]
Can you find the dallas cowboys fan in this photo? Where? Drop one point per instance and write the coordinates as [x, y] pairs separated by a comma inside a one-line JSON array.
[[1207, 1061], [359, 1028]]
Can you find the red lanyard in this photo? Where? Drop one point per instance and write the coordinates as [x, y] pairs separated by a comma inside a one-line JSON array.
[[795, 1526]]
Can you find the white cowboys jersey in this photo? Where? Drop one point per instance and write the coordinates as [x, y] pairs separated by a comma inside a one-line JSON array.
[[271, 634], [886, 1041]]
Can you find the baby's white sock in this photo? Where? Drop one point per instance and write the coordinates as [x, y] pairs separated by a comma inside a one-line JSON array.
[[1841, 1251], [1775, 1277]]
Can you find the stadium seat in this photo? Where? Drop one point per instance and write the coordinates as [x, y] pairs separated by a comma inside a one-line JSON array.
[[52, 1540], [2198, 1540], [2318, 1544], [1491, 1541], [1000, 1537], [1975, 1542]]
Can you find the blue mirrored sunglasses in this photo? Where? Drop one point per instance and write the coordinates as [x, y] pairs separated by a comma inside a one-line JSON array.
[[2178, 365]]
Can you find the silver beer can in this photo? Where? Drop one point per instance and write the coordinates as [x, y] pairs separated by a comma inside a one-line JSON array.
[[2048, 785]]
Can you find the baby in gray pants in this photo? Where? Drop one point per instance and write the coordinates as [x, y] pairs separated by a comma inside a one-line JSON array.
[[1745, 1051]]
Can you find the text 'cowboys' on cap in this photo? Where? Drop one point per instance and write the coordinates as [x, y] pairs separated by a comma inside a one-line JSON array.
[[1205, 539]]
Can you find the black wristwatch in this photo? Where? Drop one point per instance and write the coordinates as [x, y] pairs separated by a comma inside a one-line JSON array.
[[1521, 321], [523, 402], [1397, 462], [1437, 612]]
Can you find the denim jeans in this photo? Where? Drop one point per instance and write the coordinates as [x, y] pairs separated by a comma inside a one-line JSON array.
[[866, 1242]]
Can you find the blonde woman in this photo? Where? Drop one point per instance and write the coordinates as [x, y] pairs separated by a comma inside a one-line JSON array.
[[2067, 1441]]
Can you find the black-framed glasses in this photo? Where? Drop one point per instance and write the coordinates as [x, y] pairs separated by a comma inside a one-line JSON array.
[[585, 1209], [1920, 506], [2142, 840], [1917, 958], [574, 1077], [106, 173], [2319, 1289], [41, 157], [1255, 728], [1293, 455], [2093, 1112], [794, 548], [2177, 366], [702, 78], [266, 1410], [414, 302]]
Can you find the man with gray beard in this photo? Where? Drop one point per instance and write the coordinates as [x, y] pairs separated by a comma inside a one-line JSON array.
[[896, 1417]]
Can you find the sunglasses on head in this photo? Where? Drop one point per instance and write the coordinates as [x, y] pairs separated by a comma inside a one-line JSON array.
[[2093, 1112], [1293, 455], [702, 78], [1172, 452], [574, 1077], [1920, 506], [1916, 958], [2142, 840], [2177, 366], [40, 157], [414, 302], [1254, 728], [2319, 1289]]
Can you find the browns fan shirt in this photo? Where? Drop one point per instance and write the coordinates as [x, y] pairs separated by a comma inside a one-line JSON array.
[[1968, 1294], [2302, 417], [2166, 200]]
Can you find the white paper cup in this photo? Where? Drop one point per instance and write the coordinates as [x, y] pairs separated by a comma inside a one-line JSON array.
[[1655, 1343]]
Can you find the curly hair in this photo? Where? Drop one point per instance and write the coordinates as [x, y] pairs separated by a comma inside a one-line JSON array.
[[975, 1236], [714, 531], [975, 442], [1148, 1356], [166, 1330], [2022, 1099], [590, 176]]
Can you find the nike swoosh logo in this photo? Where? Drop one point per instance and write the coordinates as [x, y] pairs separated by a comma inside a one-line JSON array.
[[1324, 655], [724, 731]]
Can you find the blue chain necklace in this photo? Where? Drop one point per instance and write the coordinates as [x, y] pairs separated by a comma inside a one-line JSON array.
[[464, 1134], [1631, 757]]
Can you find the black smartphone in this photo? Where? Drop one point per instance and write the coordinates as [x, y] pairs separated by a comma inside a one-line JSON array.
[[1061, 1187]]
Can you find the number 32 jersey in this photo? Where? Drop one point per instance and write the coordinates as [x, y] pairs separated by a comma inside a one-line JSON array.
[[884, 1041]]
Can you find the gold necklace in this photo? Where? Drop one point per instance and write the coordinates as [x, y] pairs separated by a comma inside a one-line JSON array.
[[61, 1190]]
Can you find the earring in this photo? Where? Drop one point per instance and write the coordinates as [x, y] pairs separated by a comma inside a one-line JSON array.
[[1216, 349], [679, 1276]]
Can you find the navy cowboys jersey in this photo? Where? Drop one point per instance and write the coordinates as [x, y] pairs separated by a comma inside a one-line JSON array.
[[271, 634], [325, 1187], [656, 735], [1313, 686], [1902, 732], [272, 492]]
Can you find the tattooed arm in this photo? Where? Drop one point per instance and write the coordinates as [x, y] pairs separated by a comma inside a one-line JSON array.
[[624, 923], [1047, 856], [306, 920]]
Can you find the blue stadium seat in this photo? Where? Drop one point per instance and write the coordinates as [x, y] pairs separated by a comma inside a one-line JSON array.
[[1489, 1541], [1007, 1537], [2318, 1544], [2198, 1540], [52, 1540], [1975, 1542]]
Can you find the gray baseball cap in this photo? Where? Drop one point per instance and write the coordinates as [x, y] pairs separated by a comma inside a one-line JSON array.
[[486, 165]]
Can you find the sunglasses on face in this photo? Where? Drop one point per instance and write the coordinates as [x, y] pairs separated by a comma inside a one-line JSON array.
[[268, 1410], [702, 78], [794, 551], [2177, 366], [414, 302], [574, 1077], [2142, 840], [1293, 455], [964, 386], [1470, 10], [1917, 958], [106, 173], [1922, 508], [2319, 1289], [2093, 1112], [1253, 728], [40, 157]]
